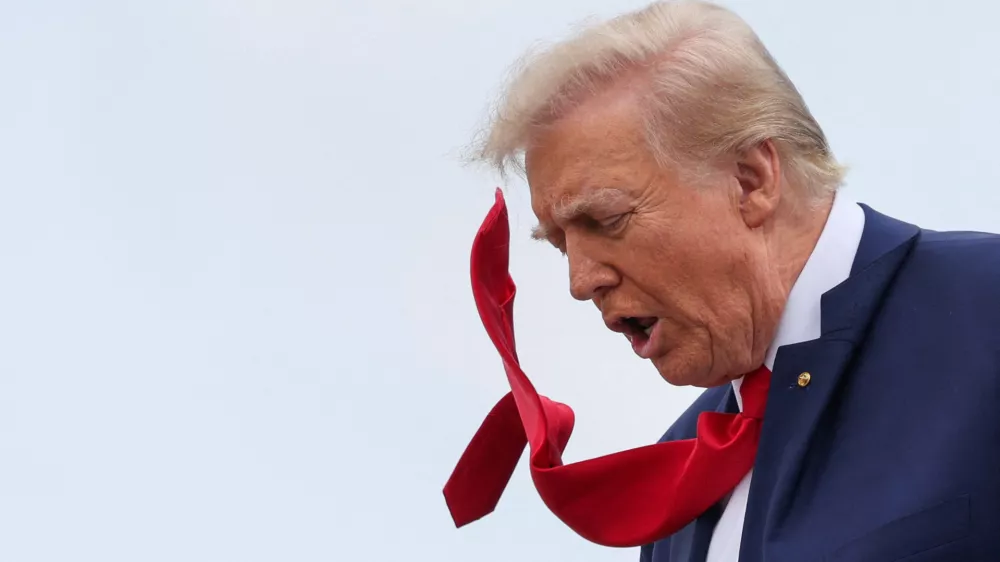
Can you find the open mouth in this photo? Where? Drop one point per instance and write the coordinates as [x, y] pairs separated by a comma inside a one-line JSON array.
[[638, 326], [640, 331]]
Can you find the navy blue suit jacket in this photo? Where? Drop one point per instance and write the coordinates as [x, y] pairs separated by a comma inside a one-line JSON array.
[[892, 452]]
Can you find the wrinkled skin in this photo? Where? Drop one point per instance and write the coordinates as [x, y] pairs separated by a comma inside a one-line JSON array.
[[713, 263]]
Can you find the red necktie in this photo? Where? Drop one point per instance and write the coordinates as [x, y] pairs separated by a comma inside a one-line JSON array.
[[629, 498]]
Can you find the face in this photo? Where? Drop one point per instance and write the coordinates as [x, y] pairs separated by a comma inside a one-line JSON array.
[[681, 270]]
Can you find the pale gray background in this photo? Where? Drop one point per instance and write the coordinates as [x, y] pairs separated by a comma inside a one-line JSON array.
[[235, 322]]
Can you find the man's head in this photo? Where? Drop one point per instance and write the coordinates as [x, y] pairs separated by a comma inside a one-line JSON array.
[[680, 172]]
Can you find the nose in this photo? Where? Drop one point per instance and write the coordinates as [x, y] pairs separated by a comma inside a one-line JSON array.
[[588, 277]]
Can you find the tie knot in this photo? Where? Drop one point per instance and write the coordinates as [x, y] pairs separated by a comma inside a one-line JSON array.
[[754, 392]]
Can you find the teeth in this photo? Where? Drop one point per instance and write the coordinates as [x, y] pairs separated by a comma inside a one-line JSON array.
[[649, 329]]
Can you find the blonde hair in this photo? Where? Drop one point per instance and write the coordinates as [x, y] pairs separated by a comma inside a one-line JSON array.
[[708, 88]]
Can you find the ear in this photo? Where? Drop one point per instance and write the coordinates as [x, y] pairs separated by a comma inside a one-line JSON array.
[[758, 171]]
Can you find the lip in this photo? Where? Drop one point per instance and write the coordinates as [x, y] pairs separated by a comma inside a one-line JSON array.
[[645, 346]]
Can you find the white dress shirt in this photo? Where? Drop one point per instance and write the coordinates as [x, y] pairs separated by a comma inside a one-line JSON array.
[[828, 265]]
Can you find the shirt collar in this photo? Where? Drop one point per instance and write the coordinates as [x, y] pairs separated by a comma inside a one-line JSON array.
[[828, 265]]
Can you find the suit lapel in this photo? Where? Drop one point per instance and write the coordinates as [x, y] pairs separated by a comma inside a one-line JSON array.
[[795, 412]]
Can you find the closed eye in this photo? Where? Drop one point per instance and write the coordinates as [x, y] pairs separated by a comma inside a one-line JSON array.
[[614, 223]]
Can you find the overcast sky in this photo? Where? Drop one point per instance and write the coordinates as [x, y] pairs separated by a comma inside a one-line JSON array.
[[235, 316]]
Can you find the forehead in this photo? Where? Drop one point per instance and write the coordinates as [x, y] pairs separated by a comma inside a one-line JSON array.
[[597, 146]]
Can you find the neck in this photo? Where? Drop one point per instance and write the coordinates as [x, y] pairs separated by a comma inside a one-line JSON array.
[[789, 237], [794, 233]]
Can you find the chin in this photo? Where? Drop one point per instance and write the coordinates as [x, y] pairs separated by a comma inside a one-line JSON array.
[[686, 369]]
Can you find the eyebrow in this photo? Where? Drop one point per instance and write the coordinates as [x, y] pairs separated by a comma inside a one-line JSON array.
[[570, 208], [539, 232]]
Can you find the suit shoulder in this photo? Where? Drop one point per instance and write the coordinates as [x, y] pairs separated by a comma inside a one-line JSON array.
[[970, 256], [960, 242], [687, 424]]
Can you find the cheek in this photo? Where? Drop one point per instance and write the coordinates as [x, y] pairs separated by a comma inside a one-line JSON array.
[[661, 271], [683, 268]]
